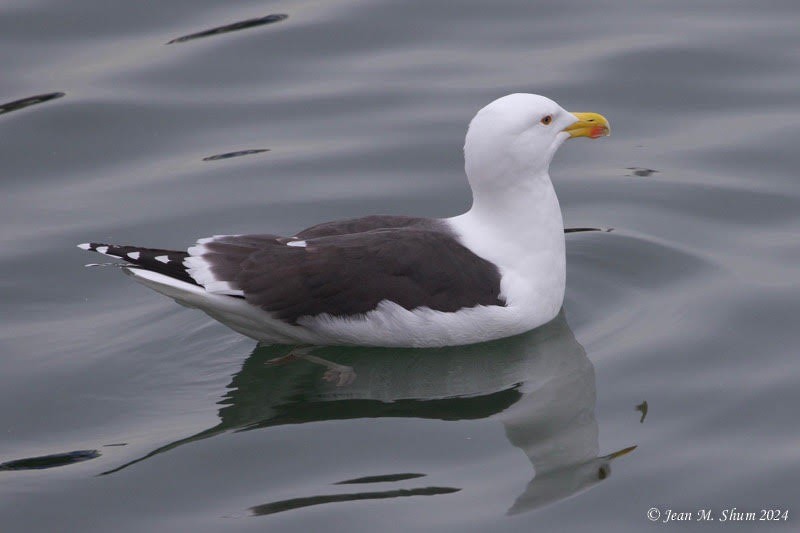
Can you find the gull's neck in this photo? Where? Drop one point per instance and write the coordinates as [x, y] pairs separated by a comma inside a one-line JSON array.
[[513, 195], [519, 228], [526, 213]]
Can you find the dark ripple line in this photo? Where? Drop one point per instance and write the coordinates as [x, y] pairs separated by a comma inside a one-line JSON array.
[[380, 479], [238, 153], [236, 26], [579, 230], [297, 503], [29, 101], [642, 172], [50, 461]]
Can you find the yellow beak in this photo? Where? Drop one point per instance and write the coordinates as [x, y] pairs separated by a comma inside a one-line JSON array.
[[592, 125], [620, 453]]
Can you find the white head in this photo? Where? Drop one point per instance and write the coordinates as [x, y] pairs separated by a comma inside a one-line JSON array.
[[554, 485], [513, 139]]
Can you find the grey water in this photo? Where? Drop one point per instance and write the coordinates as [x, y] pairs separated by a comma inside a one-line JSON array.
[[156, 123]]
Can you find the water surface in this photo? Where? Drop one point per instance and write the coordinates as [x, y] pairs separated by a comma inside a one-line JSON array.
[[122, 411]]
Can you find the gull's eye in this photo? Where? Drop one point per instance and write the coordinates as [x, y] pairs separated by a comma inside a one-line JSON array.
[[547, 119]]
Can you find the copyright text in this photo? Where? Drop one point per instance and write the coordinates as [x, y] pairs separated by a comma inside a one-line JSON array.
[[665, 516]]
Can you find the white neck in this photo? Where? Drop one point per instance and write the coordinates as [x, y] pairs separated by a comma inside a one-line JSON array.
[[519, 228], [529, 205]]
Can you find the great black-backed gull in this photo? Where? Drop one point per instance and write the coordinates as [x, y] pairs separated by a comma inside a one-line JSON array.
[[495, 271]]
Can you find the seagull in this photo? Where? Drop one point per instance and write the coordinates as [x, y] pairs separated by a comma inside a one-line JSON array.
[[397, 281]]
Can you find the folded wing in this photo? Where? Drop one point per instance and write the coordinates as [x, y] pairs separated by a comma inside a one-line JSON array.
[[346, 274]]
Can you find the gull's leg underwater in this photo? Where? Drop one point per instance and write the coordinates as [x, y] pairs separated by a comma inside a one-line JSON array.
[[340, 375], [293, 355]]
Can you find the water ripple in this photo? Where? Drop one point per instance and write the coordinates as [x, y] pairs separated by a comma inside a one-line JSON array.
[[29, 101], [236, 26]]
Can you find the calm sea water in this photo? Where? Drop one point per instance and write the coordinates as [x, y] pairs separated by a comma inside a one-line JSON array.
[[150, 417]]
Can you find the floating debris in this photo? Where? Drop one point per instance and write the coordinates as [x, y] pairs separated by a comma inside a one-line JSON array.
[[380, 479], [239, 153], [50, 461], [642, 407], [29, 101], [236, 26], [641, 172]]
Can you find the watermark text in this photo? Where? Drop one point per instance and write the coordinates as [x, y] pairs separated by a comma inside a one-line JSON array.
[[732, 514]]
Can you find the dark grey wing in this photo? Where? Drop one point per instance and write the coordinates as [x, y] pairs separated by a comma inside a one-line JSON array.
[[368, 223], [346, 275], [220, 258]]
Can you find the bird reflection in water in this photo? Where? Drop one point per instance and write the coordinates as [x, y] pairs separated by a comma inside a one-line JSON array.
[[539, 386]]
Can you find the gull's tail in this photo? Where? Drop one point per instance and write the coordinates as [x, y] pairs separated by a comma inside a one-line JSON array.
[[166, 262]]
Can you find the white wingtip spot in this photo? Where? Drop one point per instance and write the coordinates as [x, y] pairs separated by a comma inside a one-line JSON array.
[[299, 244], [133, 255], [85, 246], [163, 258], [102, 249]]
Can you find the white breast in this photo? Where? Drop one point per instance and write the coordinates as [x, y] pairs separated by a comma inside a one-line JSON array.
[[526, 241]]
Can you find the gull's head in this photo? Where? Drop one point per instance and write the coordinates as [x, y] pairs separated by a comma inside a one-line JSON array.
[[515, 137]]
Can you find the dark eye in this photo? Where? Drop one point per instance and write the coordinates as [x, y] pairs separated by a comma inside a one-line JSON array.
[[547, 119]]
